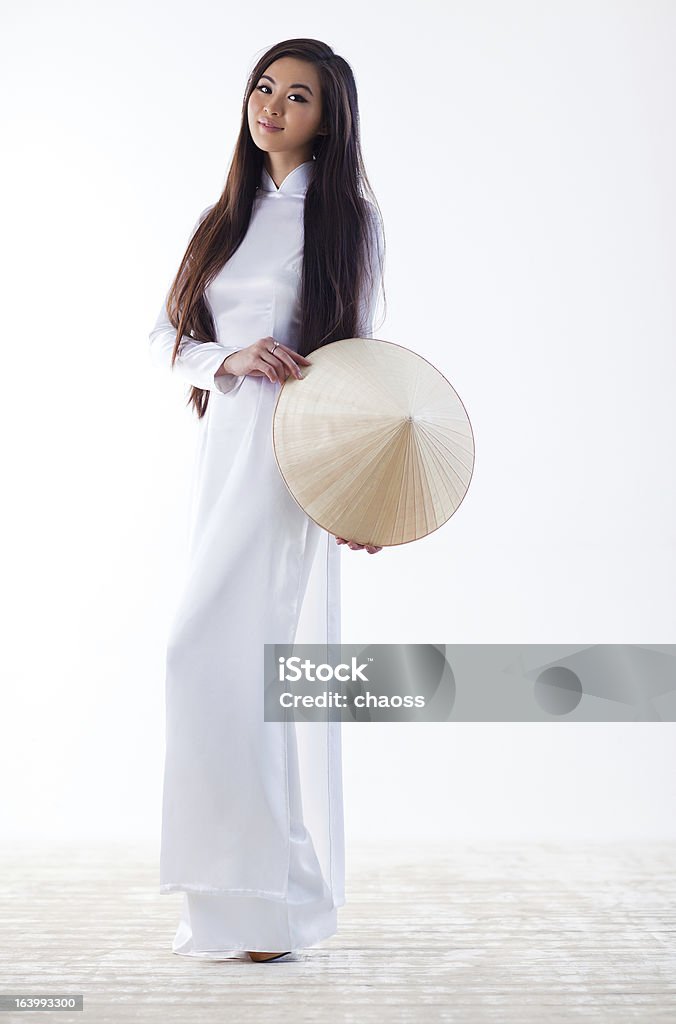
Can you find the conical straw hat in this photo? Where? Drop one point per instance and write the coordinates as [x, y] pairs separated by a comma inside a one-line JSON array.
[[374, 443]]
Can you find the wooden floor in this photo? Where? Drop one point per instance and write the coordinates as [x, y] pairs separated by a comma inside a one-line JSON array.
[[542, 934]]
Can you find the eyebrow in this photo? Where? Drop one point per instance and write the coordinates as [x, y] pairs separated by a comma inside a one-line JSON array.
[[294, 85]]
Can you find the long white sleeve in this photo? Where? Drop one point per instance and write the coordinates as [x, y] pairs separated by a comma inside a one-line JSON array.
[[196, 361], [369, 302]]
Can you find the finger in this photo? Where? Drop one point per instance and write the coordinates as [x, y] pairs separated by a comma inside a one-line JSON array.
[[270, 371], [292, 352], [277, 366], [287, 363], [290, 360]]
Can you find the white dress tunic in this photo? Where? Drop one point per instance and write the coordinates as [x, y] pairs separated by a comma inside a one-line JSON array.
[[252, 811]]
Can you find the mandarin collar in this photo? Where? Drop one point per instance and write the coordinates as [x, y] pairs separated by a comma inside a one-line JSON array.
[[295, 183]]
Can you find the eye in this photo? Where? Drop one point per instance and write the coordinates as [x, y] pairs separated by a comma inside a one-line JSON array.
[[301, 98]]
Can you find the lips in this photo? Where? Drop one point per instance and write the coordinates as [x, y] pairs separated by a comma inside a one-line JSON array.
[[269, 124]]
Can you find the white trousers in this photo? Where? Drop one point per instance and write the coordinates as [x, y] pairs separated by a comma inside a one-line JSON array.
[[218, 926]]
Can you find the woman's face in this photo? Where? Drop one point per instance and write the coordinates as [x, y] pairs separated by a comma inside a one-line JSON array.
[[287, 95]]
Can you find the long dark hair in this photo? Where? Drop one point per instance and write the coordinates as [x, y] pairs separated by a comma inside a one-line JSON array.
[[341, 219]]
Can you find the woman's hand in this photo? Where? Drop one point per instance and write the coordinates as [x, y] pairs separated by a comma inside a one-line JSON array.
[[354, 546], [258, 361]]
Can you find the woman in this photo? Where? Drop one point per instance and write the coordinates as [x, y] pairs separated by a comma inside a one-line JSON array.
[[288, 259]]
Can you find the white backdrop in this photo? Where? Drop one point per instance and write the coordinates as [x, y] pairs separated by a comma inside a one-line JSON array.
[[523, 157]]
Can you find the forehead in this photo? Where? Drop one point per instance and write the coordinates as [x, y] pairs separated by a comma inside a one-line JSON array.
[[291, 69]]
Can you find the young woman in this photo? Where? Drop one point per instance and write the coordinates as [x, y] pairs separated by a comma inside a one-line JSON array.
[[288, 259]]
